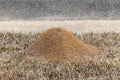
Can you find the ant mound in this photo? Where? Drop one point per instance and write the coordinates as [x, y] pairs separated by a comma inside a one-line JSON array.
[[59, 45]]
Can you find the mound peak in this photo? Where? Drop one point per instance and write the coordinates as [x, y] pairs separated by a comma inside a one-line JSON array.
[[57, 44]]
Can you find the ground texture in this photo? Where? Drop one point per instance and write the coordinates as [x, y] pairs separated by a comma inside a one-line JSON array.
[[60, 45], [15, 64]]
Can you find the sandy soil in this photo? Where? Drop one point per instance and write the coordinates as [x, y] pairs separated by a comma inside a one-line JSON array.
[[81, 26]]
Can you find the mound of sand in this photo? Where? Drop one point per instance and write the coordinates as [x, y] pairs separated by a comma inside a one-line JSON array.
[[57, 44]]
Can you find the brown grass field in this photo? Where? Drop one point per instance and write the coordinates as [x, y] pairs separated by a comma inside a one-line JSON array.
[[15, 64]]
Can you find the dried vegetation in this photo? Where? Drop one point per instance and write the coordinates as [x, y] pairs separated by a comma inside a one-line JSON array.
[[15, 64]]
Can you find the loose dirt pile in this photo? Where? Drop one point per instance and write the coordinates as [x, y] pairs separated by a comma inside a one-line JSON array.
[[59, 45]]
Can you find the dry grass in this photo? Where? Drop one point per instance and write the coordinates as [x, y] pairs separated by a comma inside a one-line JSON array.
[[15, 64]]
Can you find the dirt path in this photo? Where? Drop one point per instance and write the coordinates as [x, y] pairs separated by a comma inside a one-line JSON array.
[[81, 26]]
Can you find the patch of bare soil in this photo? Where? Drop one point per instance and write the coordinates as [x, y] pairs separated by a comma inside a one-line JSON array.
[[59, 45]]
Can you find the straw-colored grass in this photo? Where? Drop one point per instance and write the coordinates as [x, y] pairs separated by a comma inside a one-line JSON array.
[[15, 64]]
